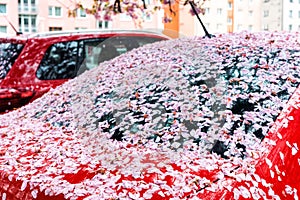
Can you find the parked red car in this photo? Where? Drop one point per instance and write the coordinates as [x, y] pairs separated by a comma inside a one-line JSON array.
[[30, 65], [191, 118]]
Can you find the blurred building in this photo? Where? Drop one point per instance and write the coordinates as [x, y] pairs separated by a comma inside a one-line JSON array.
[[29, 16], [281, 15], [220, 16], [223, 16]]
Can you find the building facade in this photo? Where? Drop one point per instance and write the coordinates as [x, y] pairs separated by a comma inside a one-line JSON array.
[[30, 16], [247, 15], [222, 16], [281, 15]]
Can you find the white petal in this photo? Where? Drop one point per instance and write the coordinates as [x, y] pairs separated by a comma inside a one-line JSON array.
[[24, 185]]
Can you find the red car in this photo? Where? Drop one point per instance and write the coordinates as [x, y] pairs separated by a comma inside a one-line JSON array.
[[191, 118], [31, 65]]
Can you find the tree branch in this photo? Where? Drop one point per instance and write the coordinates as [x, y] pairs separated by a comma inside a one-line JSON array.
[[117, 6], [144, 4], [170, 8]]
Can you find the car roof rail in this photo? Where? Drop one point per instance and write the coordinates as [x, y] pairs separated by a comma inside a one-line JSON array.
[[83, 31]]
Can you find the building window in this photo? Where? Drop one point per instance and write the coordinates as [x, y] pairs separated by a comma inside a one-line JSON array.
[[291, 1], [103, 24], [219, 11], [3, 29], [266, 27], [81, 13], [229, 20], [3, 8], [147, 17], [80, 28], [27, 23], [219, 26], [124, 17], [266, 13], [230, 5], [250, 13], [148, 2], [290, 27], [54, 11], [250, 27], [207, 10], [55, 28], [27, 5], [298, 14], [290, 13], [33, 6], [239, 27]]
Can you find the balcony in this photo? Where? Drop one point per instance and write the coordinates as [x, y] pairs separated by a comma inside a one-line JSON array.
[[28, 9]]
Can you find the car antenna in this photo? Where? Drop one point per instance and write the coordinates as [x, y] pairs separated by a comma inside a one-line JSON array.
[[207, 34], [13, 27]]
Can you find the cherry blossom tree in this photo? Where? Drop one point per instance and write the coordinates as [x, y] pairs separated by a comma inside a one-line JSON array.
[[136, 9]]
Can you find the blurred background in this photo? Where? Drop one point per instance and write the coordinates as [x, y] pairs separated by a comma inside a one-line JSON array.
[[221, 16]]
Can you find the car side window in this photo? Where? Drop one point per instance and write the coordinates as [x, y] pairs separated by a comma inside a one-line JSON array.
[[100, 50], [8, 54], [66, 60], [97, 51], [61, 61], [91, 52]]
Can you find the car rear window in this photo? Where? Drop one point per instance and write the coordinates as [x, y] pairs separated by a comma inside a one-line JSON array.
[[237, 91], [238, 96], [8, 54]]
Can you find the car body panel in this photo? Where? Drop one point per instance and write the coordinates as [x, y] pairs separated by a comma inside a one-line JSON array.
[[63, 145], [281, 165]]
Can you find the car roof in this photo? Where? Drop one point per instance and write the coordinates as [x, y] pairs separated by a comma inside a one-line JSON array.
[[13, 38], [22, 38], [95, 31]]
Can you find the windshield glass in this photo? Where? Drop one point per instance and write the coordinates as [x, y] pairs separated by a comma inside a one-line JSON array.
[[189, 98], [8, 54]]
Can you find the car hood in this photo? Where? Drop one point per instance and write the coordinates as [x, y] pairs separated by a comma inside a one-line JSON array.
[[183, 118]]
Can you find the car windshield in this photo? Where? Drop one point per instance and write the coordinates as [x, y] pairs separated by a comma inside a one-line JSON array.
[[8, 54]]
